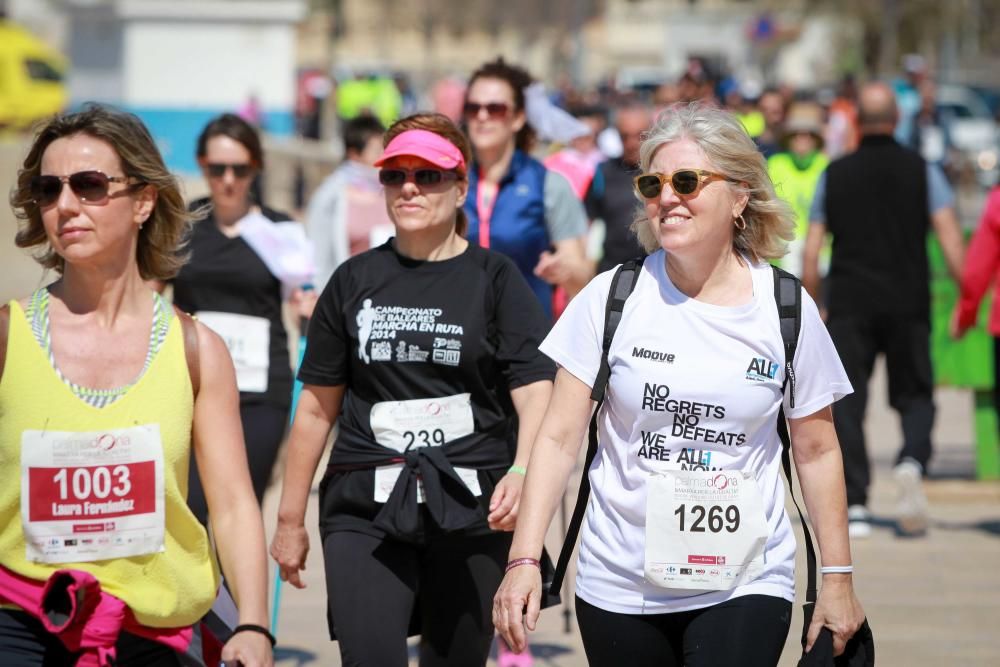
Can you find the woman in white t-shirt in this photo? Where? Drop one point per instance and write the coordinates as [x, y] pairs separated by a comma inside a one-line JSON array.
[[687, 555]]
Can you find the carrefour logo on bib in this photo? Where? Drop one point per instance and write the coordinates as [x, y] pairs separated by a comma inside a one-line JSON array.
[[761, 369]]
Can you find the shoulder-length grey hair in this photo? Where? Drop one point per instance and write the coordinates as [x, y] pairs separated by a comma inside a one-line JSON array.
[[770, 223]]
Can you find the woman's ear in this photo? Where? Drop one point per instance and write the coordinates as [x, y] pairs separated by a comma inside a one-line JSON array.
[[742, 200], [145, 202], [463, 192], [520, 118]]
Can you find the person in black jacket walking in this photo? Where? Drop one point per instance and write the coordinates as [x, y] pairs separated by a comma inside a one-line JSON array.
[[879, 203]]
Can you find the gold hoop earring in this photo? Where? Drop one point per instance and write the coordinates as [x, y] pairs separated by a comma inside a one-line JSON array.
[[742, 224]]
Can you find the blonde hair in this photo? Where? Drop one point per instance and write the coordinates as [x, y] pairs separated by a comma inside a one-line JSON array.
[[161, 237], [770, 223]]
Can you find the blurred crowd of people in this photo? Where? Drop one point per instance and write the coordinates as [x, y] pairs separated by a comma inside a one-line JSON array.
[[459, 270]]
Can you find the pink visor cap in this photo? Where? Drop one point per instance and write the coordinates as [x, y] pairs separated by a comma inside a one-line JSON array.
[[426, 145]]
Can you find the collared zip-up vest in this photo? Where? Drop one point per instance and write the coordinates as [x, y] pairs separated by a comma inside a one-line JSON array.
[[517, 223]]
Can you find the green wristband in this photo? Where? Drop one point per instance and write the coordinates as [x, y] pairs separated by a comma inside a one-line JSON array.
[[520, 470]]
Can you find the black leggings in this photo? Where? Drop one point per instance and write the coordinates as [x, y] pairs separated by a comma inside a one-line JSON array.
[[373, 586], [748, 631], [263, 430], [24, 642]]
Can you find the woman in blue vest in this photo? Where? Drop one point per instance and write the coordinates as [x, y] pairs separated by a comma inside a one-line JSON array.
[[516, 206]]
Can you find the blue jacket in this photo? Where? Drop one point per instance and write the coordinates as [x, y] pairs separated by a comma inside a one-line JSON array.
[[517, 224]]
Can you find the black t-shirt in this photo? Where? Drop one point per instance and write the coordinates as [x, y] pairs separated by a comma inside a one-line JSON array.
[[396, 329], [611, 198], [876, 209], [225, 275]]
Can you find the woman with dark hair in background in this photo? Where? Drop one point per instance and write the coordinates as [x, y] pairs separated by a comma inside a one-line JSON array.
[[515, 205], [424, 352], [234, 283]]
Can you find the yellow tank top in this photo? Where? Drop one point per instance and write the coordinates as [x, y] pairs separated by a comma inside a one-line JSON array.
[[172, 588]]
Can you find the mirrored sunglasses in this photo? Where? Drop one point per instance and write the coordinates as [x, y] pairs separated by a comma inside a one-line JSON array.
[[422, 176]]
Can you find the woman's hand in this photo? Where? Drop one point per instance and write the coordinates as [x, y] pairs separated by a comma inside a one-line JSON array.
[[247, 649], [303, 302], [838, 609], [289, 549], [955, 328], [517, 604], [505, 502]]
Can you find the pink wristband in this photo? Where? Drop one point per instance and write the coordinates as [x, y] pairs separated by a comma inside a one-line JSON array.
[[517, 562]]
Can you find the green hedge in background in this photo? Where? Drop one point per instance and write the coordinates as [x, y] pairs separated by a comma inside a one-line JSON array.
[[965, 363]]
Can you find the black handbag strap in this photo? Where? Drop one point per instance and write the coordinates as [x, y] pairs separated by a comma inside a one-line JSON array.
[[621, 287], [788, 297]]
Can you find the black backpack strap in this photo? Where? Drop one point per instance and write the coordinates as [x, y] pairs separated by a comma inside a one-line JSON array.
[[622, 286], [788, 298]]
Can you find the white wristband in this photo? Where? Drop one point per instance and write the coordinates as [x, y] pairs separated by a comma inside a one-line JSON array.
[[837, 569]]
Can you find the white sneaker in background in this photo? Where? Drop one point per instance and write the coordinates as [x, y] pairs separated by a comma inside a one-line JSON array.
[[911, 505], [859, 522]]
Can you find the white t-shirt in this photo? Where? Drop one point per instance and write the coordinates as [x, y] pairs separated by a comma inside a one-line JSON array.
[[723, 369]]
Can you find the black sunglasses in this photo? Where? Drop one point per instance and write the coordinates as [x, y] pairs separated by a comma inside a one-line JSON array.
[[684, 182], [422, 176], [493, 109], [89, 186], [218, 169]]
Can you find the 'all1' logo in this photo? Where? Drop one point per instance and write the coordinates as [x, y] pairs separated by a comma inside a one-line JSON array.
[[761, 369]]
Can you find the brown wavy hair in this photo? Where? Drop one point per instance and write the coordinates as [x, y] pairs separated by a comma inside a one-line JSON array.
[[442, 126], [161, 237]]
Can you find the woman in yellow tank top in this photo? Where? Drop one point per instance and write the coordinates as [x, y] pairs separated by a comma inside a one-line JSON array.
[[104, 393]]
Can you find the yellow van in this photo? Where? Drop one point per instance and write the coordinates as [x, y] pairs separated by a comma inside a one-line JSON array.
[[31, 78]]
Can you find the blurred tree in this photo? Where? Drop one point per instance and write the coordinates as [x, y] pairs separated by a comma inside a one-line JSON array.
[[895, 27], [527, 18]]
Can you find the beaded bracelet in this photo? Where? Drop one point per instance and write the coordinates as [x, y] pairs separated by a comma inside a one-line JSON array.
[[250, 627], [837, 569], [517, 562], [520, 470]]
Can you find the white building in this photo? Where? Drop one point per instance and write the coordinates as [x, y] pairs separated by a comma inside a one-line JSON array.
[[178, 63]]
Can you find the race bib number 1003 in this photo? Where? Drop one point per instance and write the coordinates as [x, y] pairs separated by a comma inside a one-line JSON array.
[[92, 496], [705, 530]]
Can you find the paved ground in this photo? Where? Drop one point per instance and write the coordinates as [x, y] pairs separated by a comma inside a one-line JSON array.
[[931, 601]]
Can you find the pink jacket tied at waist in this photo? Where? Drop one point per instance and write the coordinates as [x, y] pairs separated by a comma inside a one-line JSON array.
[[72, 606]]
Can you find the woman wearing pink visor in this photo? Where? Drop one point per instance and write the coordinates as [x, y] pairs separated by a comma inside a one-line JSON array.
[[424, 351]]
